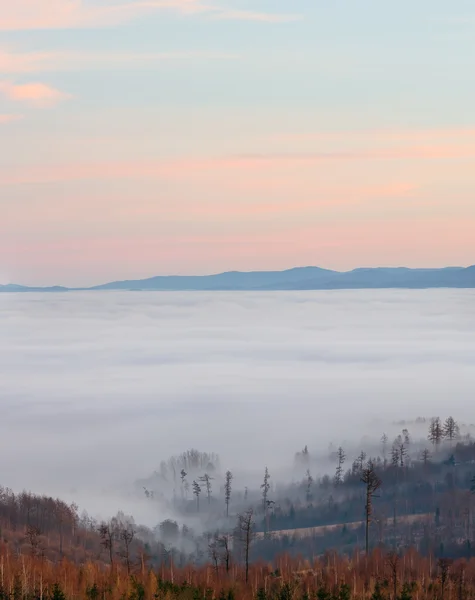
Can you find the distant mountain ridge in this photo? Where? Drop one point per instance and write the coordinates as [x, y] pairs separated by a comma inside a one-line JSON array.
[[12, 287], [299, 278]]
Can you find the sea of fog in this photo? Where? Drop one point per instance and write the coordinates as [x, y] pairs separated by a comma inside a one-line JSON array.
[[96, 388]]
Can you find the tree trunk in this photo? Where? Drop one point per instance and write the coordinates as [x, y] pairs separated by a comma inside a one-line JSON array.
[[368, 510], [248, 542]]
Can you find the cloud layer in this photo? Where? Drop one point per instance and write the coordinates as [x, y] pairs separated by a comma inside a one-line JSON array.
[[67, 14], [99, 387], [40, 62], [9, 118]]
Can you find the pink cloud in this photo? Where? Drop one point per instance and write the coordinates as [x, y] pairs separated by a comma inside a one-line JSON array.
[[9, 118], [382, 134], [27, 62], [432, 151], [40, 62], [177, 168], [247, 15], [318, 198], [36, 94], [210, 210], [60, 14]]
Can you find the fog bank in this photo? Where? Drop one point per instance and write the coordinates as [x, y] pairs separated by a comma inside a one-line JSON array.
[[97, 388]]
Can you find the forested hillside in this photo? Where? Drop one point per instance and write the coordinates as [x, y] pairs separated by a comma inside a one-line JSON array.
[[395, 526]]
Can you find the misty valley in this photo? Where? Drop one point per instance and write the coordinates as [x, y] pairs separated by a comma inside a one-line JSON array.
[[238, 445]]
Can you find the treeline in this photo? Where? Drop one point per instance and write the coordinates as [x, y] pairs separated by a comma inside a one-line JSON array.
[[425, 498], [419, 495], [435, 479], [50, 529], [379, 576]]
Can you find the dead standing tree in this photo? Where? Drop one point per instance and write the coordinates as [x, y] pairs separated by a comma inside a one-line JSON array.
[[224, 543], [197, 492], [384, 448], [372, 483], [265, 487], [401, 448], [246, 530], [444, 565], [213, 554], [265, 491], [392, 560], [451, 430], [33, 533], [341, 457], [425, 457], [126, 536], [109, 535], [308, 493], [206, 479], [183, 475], [361, 460], [63, 514], [436, 432], [227, 491], [395, 456]]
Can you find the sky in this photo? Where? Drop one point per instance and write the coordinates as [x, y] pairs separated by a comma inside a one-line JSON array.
[[98, 389], [147, 137]]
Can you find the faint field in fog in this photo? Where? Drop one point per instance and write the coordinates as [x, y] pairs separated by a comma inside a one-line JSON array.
[[304, 532]]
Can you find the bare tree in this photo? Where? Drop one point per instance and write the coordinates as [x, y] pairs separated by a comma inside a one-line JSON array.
[[444, 565], [436, 432], [108, 532], [461, 591], [425, 456], [384, 447], [372, 483], [361, 458], [126, 536], [341, 457], [223, 542], [214, 554], [227, 490], [395, 455], [303, 457], [33, 533], [451, 430], [246, 528], [197, 492], [183, 475], [392, 560], [400, 445], [62, 513], [206, 479], [265, 487], [308, 494]]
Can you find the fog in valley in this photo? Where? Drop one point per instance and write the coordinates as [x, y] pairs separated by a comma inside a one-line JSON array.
[[99, 388]]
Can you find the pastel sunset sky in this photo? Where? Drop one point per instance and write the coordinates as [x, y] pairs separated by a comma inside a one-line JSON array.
[[147, 137]]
